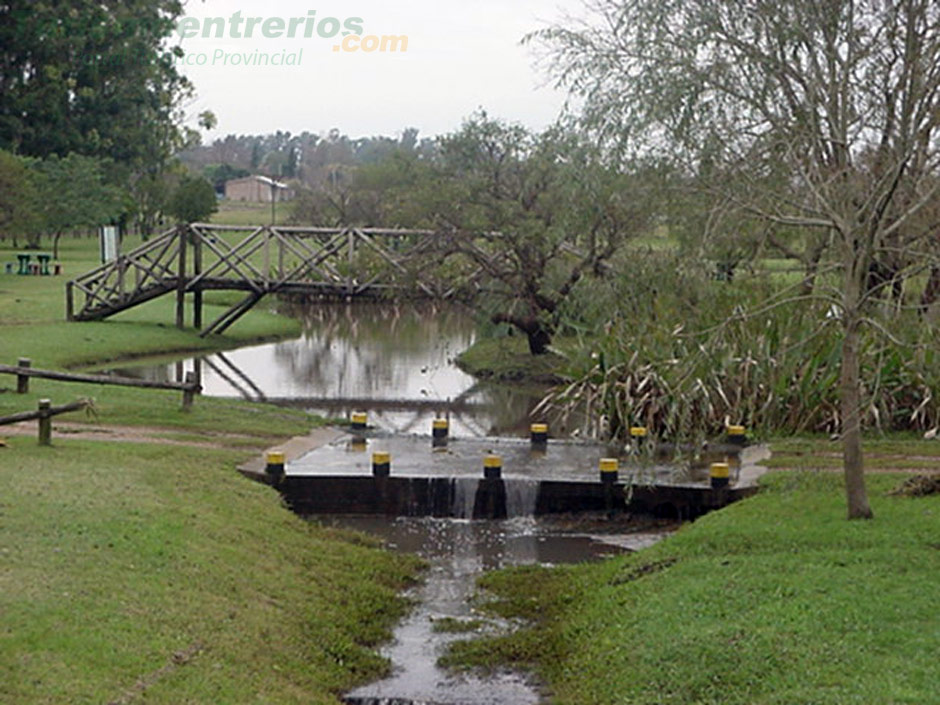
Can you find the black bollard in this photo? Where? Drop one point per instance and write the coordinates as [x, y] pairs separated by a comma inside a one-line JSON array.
[[492, 467], [538, 434], [720, 474], [275, 464], [381, 464], [440, 429]]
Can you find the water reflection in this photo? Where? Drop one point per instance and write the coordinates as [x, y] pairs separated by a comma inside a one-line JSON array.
[[395, 361]]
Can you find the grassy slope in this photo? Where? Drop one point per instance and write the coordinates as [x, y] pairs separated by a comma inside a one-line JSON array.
[[130, 568], [776, 599], [120, 560]]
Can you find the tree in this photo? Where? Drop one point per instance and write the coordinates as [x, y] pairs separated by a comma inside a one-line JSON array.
[[90, 77], [825, 113], [74, 194], [193, 200], [536, 213], [19, 200]]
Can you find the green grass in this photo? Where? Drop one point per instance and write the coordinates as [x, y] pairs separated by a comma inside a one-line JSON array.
[[243, 213], [127, 564], [777, 599], [32, 316], [507, 359], [133, 572], [32, 320], [896, 452]]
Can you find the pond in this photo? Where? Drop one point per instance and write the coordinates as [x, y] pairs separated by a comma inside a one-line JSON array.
[[394, 361]]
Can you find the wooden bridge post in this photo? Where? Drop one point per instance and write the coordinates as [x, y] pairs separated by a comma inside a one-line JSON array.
[[197, 270], [352, 261], [69, 301], [181, 279]]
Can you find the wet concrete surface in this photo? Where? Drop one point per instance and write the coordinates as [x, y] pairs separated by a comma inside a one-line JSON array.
[[414, 456], [458, 552]]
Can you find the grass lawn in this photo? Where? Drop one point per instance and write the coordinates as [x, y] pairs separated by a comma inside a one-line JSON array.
[[507, 359], [777, 599], [134, 572], [147, 572], [244, 213], [32, 325]]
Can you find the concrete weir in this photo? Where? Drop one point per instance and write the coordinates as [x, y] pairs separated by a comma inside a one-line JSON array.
[[331, 473]]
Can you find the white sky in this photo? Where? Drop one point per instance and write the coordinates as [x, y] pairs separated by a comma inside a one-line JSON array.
[[462, 55]]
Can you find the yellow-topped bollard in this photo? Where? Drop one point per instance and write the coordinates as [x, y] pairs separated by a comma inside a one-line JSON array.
[[720, 475], [381, 464], [737, 435], [538, 435], [274, 464], [440, 430], [638, 436], [359, 420], [492, 467], [610, 470]]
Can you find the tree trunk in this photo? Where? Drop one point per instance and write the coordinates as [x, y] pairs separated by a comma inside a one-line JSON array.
[[538, 335], [856, 494], [539, 340]]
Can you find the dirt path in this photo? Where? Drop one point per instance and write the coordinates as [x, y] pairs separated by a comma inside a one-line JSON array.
[[138, 434]]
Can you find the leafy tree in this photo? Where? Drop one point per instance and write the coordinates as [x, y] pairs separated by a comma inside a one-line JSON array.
[[19, 200], [825, 114], [193, 200], [74, 194], [94, 77], [548, 211]]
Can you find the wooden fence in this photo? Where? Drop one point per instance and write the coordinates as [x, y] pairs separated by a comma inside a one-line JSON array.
[[24, 370]]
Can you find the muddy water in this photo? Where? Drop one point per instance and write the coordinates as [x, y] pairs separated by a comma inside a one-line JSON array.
[[457, 553], [395, 361]]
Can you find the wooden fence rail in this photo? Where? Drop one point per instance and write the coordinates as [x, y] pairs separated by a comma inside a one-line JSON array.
[[24, 371], [44, 413]]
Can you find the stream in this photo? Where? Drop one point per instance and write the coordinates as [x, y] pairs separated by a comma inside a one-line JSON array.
[[457, 552], [396, 362]]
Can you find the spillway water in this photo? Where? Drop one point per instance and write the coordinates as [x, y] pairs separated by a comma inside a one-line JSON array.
[[459, 551]]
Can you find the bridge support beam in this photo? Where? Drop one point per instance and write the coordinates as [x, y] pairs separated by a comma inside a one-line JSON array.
[[222, 323], [181, 280], [197, 294]]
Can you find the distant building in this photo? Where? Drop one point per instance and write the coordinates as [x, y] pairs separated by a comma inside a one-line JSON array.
[[257, 189]]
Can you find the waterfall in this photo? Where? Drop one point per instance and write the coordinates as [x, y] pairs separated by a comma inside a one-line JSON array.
[[465, 495], [521, 497]]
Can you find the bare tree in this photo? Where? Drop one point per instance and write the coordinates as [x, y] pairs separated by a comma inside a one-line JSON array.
[[827, 110]]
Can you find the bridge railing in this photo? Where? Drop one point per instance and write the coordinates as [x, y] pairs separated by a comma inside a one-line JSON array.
[[152, 264], [342, 261]]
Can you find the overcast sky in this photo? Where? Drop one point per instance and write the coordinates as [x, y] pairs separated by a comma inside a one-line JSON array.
[[462, 55]]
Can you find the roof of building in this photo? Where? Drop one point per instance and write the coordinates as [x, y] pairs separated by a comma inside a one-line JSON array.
[[266, 180]]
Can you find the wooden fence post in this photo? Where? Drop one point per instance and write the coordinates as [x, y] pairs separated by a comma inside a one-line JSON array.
[[22, 381], [45, 423], [190, 391]]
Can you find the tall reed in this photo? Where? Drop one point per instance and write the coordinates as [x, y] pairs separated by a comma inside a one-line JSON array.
[[666, 346]]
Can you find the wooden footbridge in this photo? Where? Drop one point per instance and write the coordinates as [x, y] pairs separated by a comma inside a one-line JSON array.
[[339, 263]]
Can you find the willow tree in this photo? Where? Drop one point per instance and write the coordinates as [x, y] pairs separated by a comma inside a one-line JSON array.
[[826, 111]]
